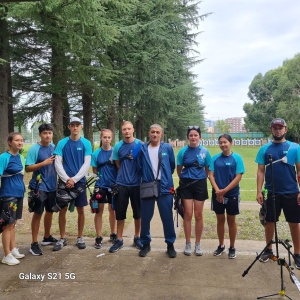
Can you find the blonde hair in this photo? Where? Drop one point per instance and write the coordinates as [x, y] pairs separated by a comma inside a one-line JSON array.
[[126, 123]]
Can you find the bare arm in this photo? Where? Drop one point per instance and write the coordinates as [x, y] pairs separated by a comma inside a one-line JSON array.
[[298, 175], [179, 170], [117, 162], [48, 161], [260, 175]]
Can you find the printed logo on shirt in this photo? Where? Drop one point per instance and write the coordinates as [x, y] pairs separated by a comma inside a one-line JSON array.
[[202, 155], [164, 153], [79, 148]]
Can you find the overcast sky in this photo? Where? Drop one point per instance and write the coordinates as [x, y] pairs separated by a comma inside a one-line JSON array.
[[240, 39]]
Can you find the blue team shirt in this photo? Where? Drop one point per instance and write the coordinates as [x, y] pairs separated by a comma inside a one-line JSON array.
[[12, 186], [284, 174], [73, 154], [194, 160], [36, 154], [107, 170], [126, 153], [225, 168]]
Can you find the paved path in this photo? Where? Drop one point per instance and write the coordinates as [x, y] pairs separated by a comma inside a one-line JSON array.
[[83, 274]]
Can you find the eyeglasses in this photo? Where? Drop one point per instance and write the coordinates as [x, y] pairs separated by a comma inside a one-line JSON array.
[[193, 127]]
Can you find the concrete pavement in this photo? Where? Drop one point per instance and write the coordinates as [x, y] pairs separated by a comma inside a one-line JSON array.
[[83, 274]]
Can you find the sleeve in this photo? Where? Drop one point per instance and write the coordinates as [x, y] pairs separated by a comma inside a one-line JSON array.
[[260, 156], [84, 169], [240, 168], [212, 164], [32, 155], [88, 147], [172, 159], [59, 169], [115, 152], [207, 159], [95, 158], [4, 160], [180, 157]]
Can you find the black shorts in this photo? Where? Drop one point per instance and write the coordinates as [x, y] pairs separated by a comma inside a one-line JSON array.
[[197, 190], [12, 206], [106, 196], [122, 200], [231, 205], [81, 199], [46, 201], [288, 203]]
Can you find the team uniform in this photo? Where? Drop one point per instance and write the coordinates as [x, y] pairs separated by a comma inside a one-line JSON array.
[[286, 188], [128, 178], [107, 173], [193, 175], [48, 184], [73, 154], [165, 185], [225, 169], [12, 187]]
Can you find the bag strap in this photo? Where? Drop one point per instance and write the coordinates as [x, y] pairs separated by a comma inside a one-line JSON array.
[[190, 183], [158, 167]]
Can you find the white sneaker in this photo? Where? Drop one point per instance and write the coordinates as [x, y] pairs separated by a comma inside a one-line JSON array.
[[15, 252], [10, 260], [188, 249], [198, 250]]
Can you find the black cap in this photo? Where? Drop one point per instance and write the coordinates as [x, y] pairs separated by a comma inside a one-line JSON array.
[[278, 121]]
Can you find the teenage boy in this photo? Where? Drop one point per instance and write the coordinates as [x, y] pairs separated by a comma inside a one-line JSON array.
[[128, 180], [72, 162], [40, 161]]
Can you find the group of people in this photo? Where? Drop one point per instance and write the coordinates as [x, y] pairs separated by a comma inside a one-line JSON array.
[[131, 166]]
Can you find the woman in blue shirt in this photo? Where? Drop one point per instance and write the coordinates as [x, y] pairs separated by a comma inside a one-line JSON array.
[[12, 191], [225, 173], [106, 169], [192, 169]]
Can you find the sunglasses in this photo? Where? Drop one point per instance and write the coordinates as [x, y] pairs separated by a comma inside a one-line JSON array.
[[193, 127]]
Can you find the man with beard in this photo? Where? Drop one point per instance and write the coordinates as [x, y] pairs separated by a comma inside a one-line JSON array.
[[285, 157]]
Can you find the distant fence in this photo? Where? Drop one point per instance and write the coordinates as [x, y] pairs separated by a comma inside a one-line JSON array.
[[215, 142]]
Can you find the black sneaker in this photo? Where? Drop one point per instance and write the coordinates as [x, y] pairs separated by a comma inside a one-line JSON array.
[[231, 253], [171, 251], [60, 244], [219, 250], [35, 249], [98, 242], [137, 243], [297, 261], [113, 237], [145, 250], [116, 246], [266, 255], [48, 241]]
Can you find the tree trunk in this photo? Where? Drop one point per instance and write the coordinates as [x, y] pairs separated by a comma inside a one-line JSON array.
[[57, 100], [4, 69], [87, 107]]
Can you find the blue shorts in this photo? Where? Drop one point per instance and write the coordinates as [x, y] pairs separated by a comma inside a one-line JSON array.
[[81, 200], [231, 205]]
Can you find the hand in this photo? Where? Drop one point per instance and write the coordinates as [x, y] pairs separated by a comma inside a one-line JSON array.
[[70, 183], [260, 199], [49, 160], [298, 199]]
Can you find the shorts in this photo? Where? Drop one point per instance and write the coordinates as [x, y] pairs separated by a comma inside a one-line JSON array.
[[288, 203], [106, 196], [12, 206], [81, 199], [46, 201], [232, 206], [197, 190], [122, 200]]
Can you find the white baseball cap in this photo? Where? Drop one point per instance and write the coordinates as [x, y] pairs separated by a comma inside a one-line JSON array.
[[75, 120]]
